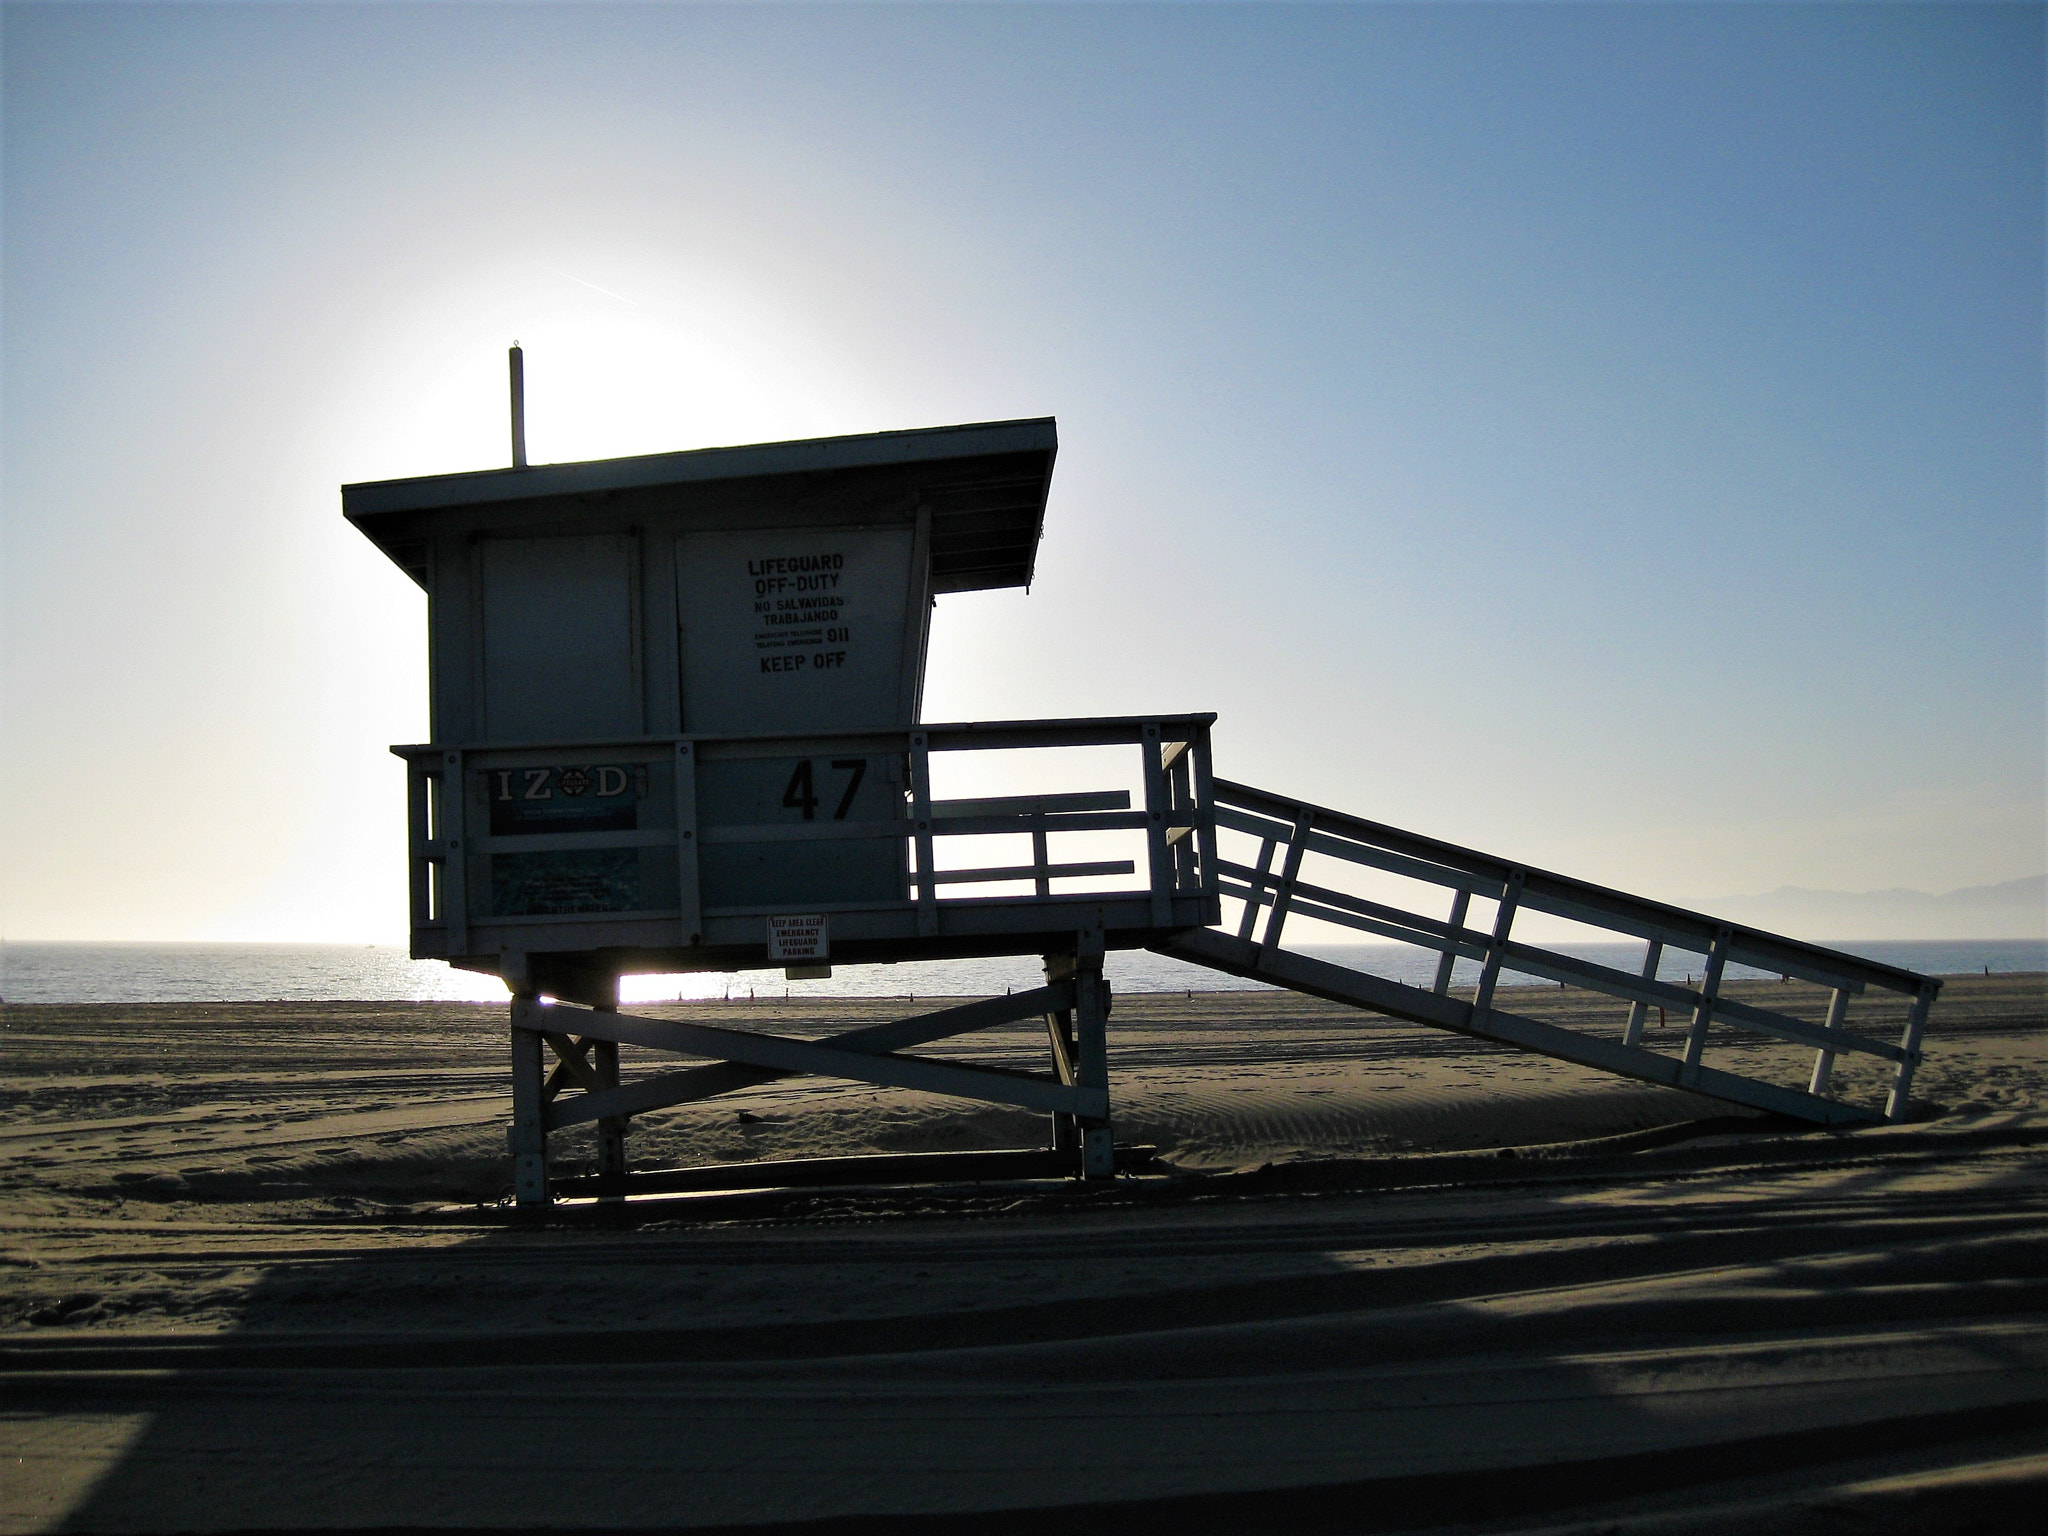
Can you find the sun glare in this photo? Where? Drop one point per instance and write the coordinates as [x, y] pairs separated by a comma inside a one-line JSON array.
[[621, 357]]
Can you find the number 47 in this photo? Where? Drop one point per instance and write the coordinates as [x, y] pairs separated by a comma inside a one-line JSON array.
[[800, 795]]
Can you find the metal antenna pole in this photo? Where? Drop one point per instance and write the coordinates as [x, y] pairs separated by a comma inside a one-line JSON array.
[[517, 360]]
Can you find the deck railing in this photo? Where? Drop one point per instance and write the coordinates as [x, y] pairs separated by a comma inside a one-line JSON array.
[[649, 876]]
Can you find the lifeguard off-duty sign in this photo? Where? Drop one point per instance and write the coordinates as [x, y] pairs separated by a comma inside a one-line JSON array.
[[790, 629]]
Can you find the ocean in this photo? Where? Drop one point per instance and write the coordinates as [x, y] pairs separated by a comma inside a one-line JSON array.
[[177, 973]]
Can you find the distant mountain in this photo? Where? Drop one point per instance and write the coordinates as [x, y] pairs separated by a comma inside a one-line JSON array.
[[2013, 909]]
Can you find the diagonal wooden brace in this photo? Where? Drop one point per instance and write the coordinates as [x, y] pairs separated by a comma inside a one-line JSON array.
[[863, 1055], [572, 1067]]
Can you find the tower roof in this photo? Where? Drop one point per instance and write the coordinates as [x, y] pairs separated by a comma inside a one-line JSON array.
[[985, 484]]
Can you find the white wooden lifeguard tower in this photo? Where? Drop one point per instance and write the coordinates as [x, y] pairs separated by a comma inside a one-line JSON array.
[[676, 727]]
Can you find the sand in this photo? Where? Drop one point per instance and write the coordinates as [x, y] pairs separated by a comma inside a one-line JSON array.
[[1384, 1279]]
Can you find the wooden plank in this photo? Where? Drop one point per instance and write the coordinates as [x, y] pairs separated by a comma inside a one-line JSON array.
[[1158, 857], [1461, 901], [1710, 988], [917, 618], [1255, 893], [419, 790], [450, 823], [1308, 906], [549, 842], [1477, 883], [1091, 1055], [1181, 817], [1638, 1011], [573, 1058], [1099, 731], [1496, 950], [926, 888], [1205, 812], [1069, 821], [812, 832], [1059, 1035], [1057, 1028], [1035, 871], [1532, 961], [1900, 1098], [968, 926], [1395, 922], [1290, 871], [1233, 820], [1824, 1058], [689, 890], [1033, 805]]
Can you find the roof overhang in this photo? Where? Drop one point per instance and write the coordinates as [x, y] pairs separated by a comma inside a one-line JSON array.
[[985, 485]]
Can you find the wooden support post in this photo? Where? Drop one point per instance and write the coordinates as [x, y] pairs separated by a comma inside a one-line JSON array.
[[927, 889], [1896, 1103], [1824, 1060], [529, 1134], [1205, 816], [1158, 856], [421, 787], [1460, 903], [1181, 797], [1639, 1011], [1059, 1033], [1091, 1065], [611, 1130], [1703, 1011], [449, 822]]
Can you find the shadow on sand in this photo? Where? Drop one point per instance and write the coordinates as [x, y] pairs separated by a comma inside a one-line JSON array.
[[1515, 1352]]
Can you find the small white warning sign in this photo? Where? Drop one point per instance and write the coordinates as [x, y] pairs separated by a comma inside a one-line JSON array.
[[799, 939]]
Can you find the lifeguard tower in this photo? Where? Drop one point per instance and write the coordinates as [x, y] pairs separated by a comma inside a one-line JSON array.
[[676, 727]]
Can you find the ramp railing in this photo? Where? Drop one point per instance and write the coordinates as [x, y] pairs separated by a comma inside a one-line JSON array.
[[1298, 869]]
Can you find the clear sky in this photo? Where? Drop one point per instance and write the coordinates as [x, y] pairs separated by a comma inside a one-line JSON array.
[[1607, 435]]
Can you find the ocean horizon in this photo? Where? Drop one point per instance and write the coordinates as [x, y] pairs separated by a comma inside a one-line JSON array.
[[85, 972]]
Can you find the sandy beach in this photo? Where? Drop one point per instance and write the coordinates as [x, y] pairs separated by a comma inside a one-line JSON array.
[[1380, 1278]]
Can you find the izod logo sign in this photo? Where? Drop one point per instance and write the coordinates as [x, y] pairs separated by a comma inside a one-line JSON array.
[[581, 797], [601, 783]]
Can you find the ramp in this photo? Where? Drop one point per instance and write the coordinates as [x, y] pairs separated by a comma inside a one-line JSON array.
[[1313, 862]]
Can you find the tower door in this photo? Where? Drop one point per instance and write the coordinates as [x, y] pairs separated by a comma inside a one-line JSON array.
[[560, 638]]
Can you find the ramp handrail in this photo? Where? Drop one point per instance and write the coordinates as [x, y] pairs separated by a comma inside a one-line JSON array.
[[1289, 830]]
